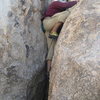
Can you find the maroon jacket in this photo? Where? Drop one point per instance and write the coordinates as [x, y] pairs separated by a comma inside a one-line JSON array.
[[56, 7]]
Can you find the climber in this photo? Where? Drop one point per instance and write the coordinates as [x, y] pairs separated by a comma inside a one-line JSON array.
[[54, 18], [56, 15]]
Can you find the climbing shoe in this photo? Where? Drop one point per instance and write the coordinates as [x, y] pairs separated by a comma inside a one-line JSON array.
[[53, 35]]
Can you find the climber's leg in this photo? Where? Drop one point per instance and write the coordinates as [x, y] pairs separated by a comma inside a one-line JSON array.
[[49, 65], [50, 54], [51, 45], [53, 34]]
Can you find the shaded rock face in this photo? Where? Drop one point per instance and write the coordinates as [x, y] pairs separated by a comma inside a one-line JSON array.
[[22, 50], [75, 71]]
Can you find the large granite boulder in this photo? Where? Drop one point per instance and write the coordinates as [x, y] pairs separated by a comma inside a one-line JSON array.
[[22, 50], [75, 73]]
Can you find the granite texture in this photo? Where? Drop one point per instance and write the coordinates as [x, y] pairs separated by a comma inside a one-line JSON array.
[[75, 73], [22, 50]]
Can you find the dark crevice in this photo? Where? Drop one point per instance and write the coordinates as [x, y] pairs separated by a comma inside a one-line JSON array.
[[39, 90], [46, 85]]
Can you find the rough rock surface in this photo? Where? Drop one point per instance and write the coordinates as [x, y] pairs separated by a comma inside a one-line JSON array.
[[75, 71], [22, 50]]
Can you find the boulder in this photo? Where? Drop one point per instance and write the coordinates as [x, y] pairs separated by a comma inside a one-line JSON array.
[[75, 73], [22, 50]]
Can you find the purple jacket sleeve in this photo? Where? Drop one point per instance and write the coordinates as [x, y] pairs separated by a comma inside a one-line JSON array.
[[63, 6]]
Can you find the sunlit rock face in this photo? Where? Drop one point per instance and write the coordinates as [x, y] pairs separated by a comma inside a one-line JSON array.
[[22, 50], [75, 73]]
